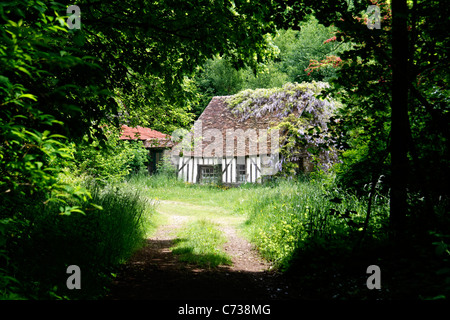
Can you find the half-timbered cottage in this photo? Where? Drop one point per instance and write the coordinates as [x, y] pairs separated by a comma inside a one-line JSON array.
[[254, 134], [226, 149]]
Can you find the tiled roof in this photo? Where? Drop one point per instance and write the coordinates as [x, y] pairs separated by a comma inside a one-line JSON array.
[[151, 138], [218, 117], [140, 133]]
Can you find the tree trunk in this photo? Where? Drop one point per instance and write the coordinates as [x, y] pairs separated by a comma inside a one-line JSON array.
[[399, 117]]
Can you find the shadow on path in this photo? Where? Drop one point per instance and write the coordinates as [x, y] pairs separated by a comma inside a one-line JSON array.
[[154, 273]]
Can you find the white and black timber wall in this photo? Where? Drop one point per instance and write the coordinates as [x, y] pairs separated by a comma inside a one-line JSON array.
[[189, 168]]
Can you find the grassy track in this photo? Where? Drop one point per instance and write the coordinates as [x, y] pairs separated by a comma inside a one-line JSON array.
[[200, 241], [279, 219]]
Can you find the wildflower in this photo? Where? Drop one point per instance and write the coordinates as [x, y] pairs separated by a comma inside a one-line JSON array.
[[331, 39]]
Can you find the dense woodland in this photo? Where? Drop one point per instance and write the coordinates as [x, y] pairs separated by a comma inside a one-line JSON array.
[[66, 181]]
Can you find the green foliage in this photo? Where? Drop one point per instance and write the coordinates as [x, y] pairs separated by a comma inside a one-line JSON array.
[[112, 162], [33, 143], [267, 76], [199, 243], [293, 216], [220, 77], [113, 224], [147, 54], [31, 146], [40, 64], [166, 168], [145, 103], [364, 84], [293, 50], [314, 42]]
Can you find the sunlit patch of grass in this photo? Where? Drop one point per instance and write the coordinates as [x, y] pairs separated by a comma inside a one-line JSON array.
[[191, 211], [199, 243], [164, 188]]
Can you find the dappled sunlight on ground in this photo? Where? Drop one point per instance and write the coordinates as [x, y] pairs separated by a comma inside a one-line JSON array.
[[155, 272]]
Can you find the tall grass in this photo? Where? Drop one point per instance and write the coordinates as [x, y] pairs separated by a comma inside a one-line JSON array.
[[96, 241], [168, 187], [293, 216], [284, 217]]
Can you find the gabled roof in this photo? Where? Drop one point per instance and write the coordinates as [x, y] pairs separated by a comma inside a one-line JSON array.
[[218, 115], [150, 137], [243, 124], [219, 118]]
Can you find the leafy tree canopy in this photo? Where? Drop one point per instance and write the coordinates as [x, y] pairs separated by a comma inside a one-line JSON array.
[[127, 62], [298, 54]]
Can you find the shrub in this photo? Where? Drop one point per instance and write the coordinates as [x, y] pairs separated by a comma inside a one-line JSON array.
[[166, 167], [113, 162]]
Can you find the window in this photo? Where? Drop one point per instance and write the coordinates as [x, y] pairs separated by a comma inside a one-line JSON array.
[[240, 173], [209, 174]]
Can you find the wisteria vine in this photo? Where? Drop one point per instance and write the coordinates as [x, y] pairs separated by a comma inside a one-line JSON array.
[[303, 112]]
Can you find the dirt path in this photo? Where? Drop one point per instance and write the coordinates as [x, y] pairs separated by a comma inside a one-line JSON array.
[[155, 273]]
